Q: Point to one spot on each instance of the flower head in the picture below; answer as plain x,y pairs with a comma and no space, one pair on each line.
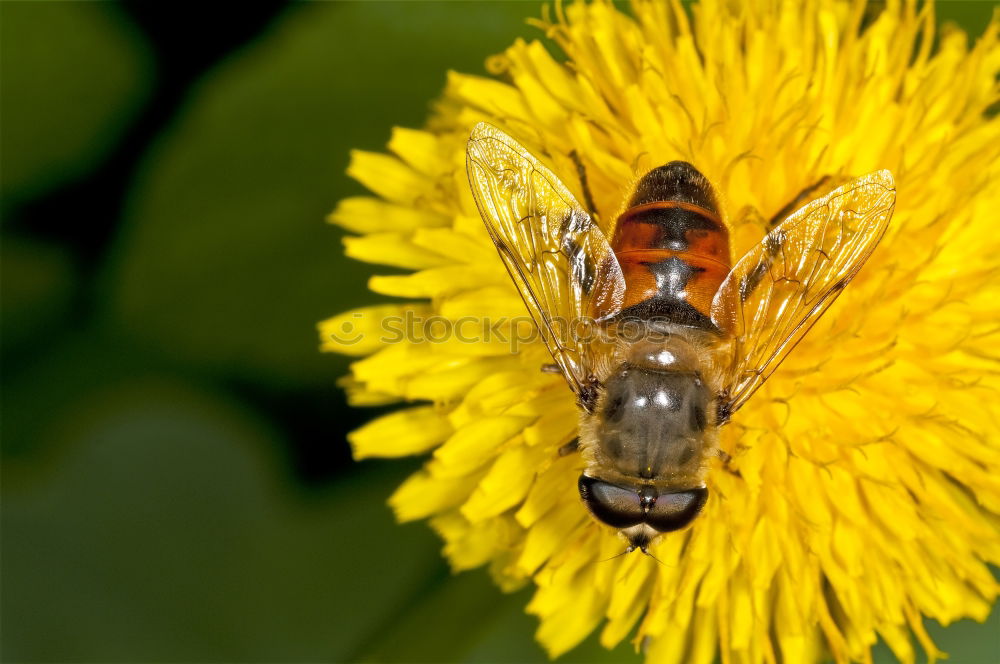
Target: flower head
868,494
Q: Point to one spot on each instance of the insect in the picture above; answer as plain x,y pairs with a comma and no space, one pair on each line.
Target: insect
685,336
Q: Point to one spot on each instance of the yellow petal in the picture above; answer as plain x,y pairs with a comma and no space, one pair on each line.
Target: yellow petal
391,249
401,433
362,331
364,214
386,176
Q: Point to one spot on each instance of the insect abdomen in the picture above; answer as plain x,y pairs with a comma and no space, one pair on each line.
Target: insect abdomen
672,247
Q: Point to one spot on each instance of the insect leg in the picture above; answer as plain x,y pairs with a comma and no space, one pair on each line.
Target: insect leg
773,241
581,172
551,368
727,460
826,182
723,408
588,396
570,447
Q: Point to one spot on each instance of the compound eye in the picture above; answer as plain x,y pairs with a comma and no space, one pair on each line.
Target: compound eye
614,505
673,511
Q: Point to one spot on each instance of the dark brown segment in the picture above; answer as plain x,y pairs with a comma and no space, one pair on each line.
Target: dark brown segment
678,286
675,181
672,225
673,256
672,247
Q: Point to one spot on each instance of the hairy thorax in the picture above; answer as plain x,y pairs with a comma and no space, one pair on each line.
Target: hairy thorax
655,419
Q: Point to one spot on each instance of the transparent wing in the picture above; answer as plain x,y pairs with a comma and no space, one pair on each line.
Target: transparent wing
557,256
781,287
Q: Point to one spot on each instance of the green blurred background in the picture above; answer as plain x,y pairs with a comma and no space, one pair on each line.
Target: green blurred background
175,481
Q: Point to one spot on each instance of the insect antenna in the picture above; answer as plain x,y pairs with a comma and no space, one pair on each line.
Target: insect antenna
655,558
618,555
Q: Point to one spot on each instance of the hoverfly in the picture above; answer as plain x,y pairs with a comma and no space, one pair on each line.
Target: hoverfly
710,333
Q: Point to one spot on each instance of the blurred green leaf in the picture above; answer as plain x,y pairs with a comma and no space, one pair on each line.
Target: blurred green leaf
509,637
969,641
465,618
74,74
73,364
146,518
225,261
446,621
156,528
971,15
965,642
38,284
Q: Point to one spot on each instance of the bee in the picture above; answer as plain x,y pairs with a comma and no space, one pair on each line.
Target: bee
686,337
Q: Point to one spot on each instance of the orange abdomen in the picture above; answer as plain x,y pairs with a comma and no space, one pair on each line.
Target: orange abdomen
673,255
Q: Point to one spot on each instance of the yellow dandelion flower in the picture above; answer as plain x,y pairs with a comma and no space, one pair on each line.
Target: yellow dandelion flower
868,493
